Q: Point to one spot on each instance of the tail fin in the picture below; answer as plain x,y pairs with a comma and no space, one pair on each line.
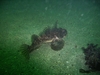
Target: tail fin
25,50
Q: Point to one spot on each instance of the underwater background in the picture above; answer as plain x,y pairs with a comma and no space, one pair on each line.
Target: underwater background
20,19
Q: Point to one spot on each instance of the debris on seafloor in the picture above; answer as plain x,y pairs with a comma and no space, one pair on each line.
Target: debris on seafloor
92,58
52,35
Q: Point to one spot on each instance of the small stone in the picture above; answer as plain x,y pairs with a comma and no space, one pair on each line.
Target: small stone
46,8
67,62
82,14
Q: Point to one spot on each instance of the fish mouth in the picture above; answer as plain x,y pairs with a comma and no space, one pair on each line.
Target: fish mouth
52,39
56,43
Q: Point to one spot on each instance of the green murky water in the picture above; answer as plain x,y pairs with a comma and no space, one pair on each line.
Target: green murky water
19,19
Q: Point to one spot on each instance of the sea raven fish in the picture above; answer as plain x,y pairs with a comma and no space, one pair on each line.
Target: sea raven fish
52,35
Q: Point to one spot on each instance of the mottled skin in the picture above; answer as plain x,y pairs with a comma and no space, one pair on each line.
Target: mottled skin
53,33
49,35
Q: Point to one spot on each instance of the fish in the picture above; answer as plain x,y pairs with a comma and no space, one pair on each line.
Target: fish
51,35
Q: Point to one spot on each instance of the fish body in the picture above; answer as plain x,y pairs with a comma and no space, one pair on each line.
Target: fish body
49,35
